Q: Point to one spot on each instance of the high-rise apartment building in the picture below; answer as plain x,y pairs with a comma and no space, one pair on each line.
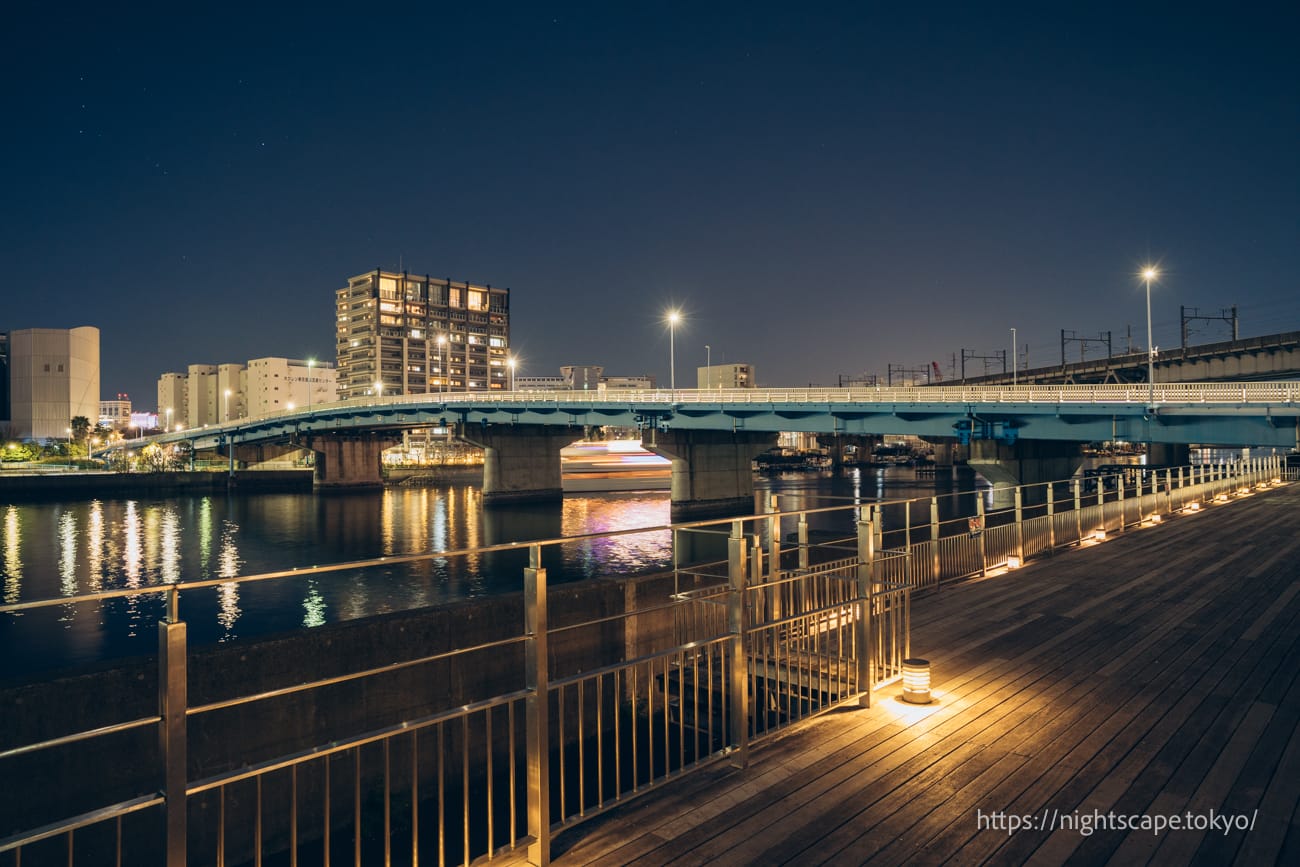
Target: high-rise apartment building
406,334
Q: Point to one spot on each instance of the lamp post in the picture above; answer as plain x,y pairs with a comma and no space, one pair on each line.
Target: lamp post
311,362
169,419
674,316
708,365
1149,273
1013,356
226,412
510,363
442,347
379,388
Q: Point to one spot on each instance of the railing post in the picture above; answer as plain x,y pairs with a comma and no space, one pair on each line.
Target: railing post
1123,513
773,556
1078,509
172,703
1169,491
774,535
537,710
863,639
1020,524
934,538
878,522
803,541
737,566
1051,517
983,546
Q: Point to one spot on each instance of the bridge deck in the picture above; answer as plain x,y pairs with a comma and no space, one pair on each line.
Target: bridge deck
1158,673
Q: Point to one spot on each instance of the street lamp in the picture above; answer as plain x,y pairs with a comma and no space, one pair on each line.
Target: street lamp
708,366
227,405
311,362
442,347
1150,273
379,388
1013,356
674,316
510,363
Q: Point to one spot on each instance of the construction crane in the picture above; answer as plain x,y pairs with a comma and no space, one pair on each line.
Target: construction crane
938,377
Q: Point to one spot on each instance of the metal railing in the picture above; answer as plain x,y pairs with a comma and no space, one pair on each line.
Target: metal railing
458,753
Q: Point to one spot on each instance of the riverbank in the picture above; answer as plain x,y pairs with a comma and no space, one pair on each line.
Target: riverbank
51,486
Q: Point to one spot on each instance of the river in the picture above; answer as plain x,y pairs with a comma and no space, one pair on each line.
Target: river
63,549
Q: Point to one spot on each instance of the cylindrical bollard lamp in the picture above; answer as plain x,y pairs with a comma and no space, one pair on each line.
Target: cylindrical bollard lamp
916,681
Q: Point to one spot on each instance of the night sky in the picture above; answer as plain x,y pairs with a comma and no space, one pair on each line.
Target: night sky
823,192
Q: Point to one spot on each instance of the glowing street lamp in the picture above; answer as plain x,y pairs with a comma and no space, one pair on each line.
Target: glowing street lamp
379,388
673,317
1013,356
227,405
510,363
1150,273
289,406
446,360
311,362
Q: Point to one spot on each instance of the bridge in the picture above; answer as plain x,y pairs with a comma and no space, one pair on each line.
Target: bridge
1271,357
1018,434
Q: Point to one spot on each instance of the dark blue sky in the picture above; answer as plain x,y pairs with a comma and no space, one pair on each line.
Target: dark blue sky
823,191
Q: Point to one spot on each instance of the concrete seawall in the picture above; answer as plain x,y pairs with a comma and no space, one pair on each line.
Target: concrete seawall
50,486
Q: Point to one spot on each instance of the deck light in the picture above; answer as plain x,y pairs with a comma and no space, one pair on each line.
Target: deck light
1194,507
916,681
1013,562
1099,534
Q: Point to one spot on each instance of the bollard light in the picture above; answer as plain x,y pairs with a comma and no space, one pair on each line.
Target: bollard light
1194,507
916,681
1013,562
1154,519
1099,534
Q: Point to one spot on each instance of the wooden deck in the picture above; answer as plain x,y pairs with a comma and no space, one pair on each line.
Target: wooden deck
1153,674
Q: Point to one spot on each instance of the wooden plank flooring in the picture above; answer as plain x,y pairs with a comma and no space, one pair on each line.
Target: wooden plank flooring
1153,674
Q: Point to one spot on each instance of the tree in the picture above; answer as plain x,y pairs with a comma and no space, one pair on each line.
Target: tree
80,428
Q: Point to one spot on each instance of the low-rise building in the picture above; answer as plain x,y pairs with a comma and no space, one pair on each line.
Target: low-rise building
725,376
215,393
53,378
116,414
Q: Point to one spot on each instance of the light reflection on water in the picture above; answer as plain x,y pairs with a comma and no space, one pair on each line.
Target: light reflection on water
64,549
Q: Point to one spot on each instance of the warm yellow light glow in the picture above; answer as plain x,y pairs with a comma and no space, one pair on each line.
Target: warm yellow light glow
674,316
227,392
289,406
1013,562
1150,273
1194,507
1099,534
916,681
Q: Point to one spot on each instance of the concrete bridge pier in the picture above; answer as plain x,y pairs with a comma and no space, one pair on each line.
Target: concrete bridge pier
712,470
1169,454
521,462
350,461
1027,462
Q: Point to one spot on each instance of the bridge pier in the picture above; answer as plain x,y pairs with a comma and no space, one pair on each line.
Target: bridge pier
1026,462
1169,454
712,470
350,461
521,462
